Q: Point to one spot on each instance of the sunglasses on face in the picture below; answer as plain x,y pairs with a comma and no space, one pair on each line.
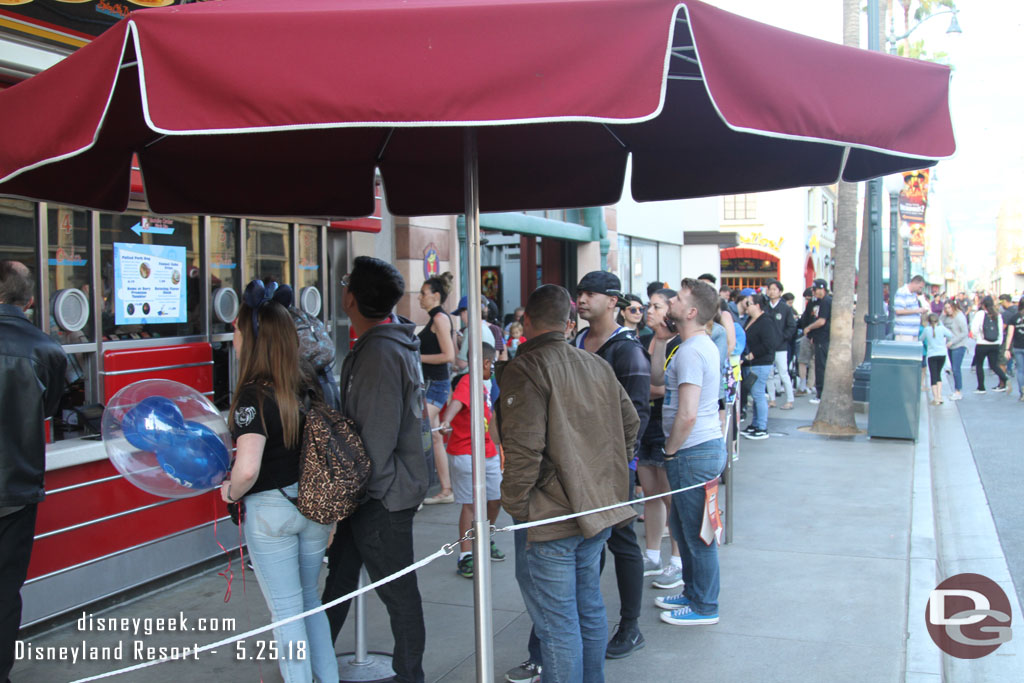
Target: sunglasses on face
635,309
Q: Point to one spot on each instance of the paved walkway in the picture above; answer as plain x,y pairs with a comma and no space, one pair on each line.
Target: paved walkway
815,585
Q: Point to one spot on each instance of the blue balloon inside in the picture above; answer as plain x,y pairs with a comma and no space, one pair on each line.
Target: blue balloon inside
196,459
166,438
155,422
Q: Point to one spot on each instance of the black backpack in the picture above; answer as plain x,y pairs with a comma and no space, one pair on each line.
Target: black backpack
990,328
334,467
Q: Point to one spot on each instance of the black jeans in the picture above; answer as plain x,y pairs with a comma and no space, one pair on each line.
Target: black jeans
16,532
820,356
990,351
382,541
629,564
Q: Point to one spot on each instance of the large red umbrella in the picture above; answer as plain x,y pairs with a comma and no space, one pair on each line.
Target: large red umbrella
287,107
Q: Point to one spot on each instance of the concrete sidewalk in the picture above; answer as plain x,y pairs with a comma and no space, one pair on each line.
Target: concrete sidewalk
814,585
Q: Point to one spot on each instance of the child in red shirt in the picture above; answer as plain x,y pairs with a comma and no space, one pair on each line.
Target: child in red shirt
456,420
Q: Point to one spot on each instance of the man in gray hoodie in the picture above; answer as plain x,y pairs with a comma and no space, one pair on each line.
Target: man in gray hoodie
381,390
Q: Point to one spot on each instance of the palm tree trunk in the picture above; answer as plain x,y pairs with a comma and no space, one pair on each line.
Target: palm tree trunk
860,328
835,412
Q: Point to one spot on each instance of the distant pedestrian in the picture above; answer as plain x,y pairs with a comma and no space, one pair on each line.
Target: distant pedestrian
909,309
956,322
987,328
1008,312
936,338
1015,345
32,368
632,316
763,338
805,347
819,331
781,315
437,353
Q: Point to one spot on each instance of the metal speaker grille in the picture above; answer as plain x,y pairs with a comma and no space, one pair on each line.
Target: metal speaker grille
71,309
225,304
310,300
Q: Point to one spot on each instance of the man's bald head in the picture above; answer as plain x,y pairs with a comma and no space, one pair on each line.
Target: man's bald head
16,285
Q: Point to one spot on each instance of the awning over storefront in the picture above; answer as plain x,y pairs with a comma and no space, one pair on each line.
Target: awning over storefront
746,252
705,101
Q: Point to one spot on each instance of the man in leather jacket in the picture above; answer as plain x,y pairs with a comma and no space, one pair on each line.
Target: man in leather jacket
32,370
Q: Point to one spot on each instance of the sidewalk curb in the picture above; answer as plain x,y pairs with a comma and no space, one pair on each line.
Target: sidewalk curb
967,541
923,658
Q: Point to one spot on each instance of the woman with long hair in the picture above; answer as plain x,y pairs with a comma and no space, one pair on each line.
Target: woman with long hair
286,548
632,316
956,322
650,468
437,353
936,338
988,346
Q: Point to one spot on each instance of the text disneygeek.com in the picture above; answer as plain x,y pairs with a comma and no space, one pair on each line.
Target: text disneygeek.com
132,650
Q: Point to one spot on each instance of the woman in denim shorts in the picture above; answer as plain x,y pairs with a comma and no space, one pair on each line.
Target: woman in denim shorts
437,352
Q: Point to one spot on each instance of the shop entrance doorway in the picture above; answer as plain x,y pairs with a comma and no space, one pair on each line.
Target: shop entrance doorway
744,267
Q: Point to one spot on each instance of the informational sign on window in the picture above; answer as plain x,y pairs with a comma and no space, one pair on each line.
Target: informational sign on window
148,283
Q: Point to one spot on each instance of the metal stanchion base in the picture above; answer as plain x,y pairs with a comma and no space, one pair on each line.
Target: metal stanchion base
376,667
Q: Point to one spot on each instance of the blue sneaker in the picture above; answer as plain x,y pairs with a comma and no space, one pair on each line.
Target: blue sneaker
672,601
685,616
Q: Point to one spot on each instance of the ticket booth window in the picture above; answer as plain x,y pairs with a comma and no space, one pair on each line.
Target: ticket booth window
156,277
18,227
268,251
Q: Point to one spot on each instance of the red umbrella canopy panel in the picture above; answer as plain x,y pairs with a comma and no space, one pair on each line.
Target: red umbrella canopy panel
287,107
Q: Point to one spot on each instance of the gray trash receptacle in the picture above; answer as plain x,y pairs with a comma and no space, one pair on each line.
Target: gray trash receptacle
895,403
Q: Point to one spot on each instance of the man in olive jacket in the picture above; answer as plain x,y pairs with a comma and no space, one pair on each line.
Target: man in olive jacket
562,456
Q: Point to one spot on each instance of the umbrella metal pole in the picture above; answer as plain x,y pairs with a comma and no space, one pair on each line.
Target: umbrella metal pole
731,427
481,524
363,665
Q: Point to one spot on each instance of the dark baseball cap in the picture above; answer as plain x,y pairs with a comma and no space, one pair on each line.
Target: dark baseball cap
602,282
820,284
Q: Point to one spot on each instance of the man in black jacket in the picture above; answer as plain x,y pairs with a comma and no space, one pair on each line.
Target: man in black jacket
785,322
31,384
598,298
763,338
817,322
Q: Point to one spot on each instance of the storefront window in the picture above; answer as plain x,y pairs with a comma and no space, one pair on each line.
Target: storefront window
644,267
268,251
309,259
670,264
18,226
69,267
224,267
155,277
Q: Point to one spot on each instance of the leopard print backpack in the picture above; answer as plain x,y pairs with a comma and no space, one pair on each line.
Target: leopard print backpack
334,467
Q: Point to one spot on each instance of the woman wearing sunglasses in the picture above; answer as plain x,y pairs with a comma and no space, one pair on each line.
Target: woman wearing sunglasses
632,316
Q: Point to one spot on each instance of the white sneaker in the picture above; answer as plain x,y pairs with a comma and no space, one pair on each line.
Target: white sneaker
651,567
670,578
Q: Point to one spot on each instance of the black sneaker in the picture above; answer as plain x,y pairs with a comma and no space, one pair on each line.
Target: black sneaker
496,553
756,434
750,429
624,642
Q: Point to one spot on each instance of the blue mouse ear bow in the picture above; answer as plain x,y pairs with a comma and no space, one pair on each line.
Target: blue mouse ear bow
257,294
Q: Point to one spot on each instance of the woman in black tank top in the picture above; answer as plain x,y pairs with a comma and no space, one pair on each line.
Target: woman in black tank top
437,352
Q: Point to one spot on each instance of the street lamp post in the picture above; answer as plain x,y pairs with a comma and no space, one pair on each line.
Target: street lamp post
875,319
893,184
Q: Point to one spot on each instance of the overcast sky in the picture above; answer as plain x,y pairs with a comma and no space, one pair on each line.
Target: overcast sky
986,100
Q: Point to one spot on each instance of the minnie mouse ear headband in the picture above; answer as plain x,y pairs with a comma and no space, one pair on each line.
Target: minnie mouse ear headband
257,295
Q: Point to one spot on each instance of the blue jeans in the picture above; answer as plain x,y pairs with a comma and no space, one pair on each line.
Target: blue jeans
1018,360
561,587
690,466
761,374
287,552
956,362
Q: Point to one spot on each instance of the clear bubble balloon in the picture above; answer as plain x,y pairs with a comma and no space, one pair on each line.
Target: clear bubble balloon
166,438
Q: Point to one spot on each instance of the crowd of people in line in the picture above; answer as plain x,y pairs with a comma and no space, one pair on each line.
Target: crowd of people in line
576,417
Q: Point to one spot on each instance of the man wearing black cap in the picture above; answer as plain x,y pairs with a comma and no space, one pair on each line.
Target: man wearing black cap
819,315
598,297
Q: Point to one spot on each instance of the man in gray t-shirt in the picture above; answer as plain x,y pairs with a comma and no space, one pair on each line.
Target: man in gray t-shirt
694,451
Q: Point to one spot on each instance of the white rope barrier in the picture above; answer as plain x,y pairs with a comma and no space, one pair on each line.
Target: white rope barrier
446,549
